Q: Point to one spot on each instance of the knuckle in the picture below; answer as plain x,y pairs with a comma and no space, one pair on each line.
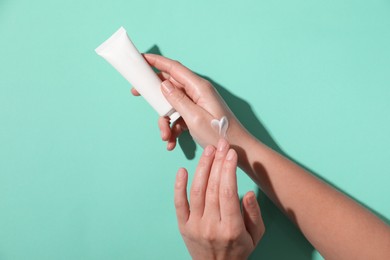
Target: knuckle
228,165
259,236
207,84
212,187
228,193
212,200
179,96
196,191
207,87
203,163
184,231
232,235
219,157
209,234
192,231
178,186
176,64
255,214
179,203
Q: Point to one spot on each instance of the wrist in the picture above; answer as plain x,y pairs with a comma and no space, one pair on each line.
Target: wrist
241,140
249,149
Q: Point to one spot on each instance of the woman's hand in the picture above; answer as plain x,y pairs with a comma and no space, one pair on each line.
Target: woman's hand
197,102
212,224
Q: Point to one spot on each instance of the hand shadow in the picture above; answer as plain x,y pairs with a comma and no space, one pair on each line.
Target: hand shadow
282,239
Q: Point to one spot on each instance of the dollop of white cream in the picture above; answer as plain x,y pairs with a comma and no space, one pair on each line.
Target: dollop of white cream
221,126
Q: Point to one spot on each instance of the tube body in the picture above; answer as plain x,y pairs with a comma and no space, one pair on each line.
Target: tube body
121,53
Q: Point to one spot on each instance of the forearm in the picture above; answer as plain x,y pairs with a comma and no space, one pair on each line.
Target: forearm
336,225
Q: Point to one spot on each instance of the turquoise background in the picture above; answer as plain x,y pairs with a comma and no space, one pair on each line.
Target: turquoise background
83,173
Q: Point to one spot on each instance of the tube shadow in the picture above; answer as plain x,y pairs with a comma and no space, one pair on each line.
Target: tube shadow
283,239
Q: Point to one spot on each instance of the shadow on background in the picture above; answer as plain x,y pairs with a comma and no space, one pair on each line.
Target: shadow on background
282,239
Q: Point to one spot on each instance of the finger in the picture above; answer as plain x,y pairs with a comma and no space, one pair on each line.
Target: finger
166,76
165,130
163,76
180,198
180,73
199,184
228,197
252,217
177,128
134,92
212,208
179,100
174,68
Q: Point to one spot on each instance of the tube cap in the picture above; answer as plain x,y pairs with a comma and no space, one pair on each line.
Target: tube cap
174,116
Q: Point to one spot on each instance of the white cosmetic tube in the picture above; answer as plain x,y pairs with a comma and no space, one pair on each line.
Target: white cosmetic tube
121,53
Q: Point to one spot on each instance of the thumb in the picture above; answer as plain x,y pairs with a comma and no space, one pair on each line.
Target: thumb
179,100
252,217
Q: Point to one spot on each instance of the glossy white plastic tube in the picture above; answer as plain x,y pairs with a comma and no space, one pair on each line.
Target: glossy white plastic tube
121,53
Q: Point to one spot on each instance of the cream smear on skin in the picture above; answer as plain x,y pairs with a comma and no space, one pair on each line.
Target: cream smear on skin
221,126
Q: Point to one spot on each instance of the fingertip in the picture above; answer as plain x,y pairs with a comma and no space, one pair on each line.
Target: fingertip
147,55
182,173
231,155
230,165
250,193
180,196
252,217
209,150
171,145
250,199
181,179
165,130
134,92
175,131
222,145
165,134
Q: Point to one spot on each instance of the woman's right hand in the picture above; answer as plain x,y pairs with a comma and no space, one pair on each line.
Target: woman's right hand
197,102
212,223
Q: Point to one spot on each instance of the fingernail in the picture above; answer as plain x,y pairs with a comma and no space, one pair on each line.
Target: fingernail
181,174
222,145
167,87
230,155
209,150
251,200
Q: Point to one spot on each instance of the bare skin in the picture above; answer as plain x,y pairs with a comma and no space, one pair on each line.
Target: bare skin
337,226
212,225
